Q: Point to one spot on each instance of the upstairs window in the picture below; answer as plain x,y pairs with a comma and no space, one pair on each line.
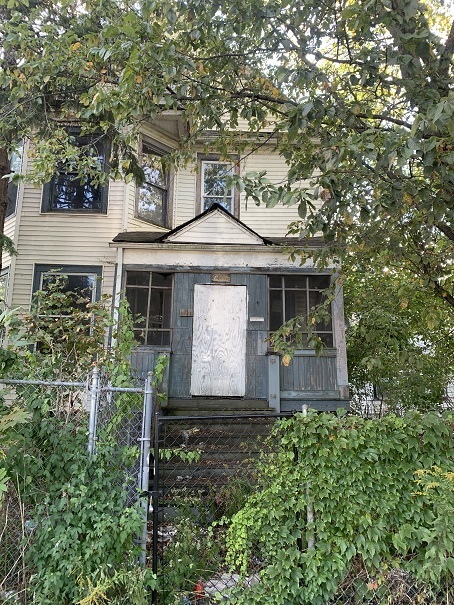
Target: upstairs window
295,295
149,296
152,199
15,166
214,187
68,191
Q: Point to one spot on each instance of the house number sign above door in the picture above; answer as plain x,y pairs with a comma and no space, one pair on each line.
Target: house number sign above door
217,278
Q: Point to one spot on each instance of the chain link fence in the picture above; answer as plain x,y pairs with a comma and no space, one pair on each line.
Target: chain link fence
203,469
369,402
206,468
90,407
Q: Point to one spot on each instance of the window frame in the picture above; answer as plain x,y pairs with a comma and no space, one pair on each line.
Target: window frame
144,327
216,158
282,289
48,188
86,270
161,151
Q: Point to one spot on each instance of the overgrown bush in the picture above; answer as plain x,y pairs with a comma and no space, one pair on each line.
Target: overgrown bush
438,489
358,476
81,532
192,554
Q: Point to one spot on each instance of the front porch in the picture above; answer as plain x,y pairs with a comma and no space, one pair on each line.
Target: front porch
308,379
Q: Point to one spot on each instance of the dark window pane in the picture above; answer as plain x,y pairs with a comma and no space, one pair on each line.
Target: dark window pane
150,300
166,308
295,281
156,337
137,278
276,310
138,302
70,283
326,326
295,303
162,279
79,288
70,193
155,315
327,339
152,193
139,335
315,299
275,281
319,282
151,204
153,168
12,199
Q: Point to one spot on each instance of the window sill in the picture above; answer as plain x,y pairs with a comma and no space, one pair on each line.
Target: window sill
154,348
331,352
75,212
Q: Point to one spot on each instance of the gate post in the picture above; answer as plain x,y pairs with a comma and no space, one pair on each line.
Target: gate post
93,420
145,462
155,501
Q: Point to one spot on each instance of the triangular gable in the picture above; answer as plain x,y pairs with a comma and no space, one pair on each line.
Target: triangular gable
214,226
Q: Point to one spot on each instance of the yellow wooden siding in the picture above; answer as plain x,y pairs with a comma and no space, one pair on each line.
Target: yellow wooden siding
266,221
185,196
66,239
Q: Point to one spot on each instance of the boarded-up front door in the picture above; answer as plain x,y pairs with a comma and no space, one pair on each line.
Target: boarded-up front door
219,341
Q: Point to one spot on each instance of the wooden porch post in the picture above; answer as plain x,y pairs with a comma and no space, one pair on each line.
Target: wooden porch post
274,395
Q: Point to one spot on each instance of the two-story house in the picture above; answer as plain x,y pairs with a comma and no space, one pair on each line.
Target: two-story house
205,271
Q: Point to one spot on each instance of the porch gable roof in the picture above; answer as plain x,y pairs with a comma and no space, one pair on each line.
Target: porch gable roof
214,226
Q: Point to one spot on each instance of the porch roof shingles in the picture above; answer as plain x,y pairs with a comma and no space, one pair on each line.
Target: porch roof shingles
149,237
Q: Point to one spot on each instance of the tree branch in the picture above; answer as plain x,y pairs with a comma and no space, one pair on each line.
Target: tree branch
446,229
377,116
447,53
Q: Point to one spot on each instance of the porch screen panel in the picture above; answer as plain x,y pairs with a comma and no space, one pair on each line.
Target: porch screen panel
219,341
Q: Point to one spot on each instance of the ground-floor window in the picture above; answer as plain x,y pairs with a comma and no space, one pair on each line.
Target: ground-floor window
80,283
295,295
149,295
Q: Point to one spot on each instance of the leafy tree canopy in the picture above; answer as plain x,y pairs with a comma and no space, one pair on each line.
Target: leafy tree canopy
359,93
400,339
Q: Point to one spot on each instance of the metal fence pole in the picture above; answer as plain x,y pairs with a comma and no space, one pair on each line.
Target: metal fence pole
94,398
155,500
310,507
145,462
